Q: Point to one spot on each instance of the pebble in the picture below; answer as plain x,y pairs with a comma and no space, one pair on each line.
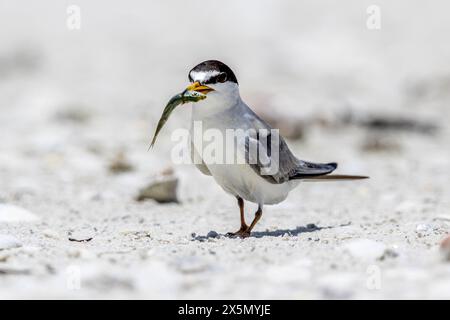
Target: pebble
212,234
9,242
424,229
120,164
389,253
162,190
52,234
365,249
137,234
445,248
11,213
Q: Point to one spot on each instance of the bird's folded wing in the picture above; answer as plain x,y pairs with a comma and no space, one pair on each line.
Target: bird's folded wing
198,161
272,160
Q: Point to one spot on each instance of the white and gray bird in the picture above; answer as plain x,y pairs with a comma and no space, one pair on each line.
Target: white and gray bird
223,110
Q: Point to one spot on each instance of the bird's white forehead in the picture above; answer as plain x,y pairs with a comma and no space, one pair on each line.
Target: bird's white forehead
203,75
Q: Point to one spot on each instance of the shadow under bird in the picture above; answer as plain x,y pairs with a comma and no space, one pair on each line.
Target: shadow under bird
217,105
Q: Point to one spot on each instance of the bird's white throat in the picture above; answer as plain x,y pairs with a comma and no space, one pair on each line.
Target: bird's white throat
225,96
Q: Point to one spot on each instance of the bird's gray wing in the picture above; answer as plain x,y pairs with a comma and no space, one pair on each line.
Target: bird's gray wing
198,161
269,156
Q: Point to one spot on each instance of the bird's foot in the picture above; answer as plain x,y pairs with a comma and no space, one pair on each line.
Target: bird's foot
243,232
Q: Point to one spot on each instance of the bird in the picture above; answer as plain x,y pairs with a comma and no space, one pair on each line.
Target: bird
248,180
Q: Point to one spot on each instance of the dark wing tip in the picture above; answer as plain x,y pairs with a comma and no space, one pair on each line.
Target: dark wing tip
334,165
311,169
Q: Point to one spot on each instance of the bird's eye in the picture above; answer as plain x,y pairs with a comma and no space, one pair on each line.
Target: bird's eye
222,77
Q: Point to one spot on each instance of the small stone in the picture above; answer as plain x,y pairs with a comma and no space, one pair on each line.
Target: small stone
423,229
167,172
9,242
52,234
445,248
389,253
137,234
163,190
4,256
120,164
212,234
11,213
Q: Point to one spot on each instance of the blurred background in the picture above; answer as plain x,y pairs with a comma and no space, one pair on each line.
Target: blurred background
78,106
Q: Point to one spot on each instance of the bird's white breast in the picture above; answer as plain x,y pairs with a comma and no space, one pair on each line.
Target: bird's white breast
236,179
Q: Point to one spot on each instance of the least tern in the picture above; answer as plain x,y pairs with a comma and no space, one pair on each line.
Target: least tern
224,110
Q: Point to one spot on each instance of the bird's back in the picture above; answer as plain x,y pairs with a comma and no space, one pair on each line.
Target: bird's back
289,166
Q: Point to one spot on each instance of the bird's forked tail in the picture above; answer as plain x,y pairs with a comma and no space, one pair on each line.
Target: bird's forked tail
335,177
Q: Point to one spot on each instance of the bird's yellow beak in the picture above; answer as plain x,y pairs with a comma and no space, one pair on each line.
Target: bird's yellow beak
196,86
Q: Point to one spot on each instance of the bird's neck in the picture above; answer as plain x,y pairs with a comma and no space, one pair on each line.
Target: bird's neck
214,105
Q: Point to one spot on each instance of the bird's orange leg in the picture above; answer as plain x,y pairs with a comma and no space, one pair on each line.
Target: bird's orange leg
242,232
245,230
258,215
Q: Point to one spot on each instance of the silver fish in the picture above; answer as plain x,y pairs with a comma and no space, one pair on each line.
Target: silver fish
180,98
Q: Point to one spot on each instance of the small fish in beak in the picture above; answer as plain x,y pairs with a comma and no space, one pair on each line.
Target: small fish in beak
197,87
193,93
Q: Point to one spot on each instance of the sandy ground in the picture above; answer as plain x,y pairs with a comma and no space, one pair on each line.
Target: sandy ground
71,101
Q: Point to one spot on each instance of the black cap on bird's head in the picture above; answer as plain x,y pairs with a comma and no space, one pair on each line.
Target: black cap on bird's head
215,77
212,72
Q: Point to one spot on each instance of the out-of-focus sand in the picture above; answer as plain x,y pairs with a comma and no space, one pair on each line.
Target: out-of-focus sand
71,100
